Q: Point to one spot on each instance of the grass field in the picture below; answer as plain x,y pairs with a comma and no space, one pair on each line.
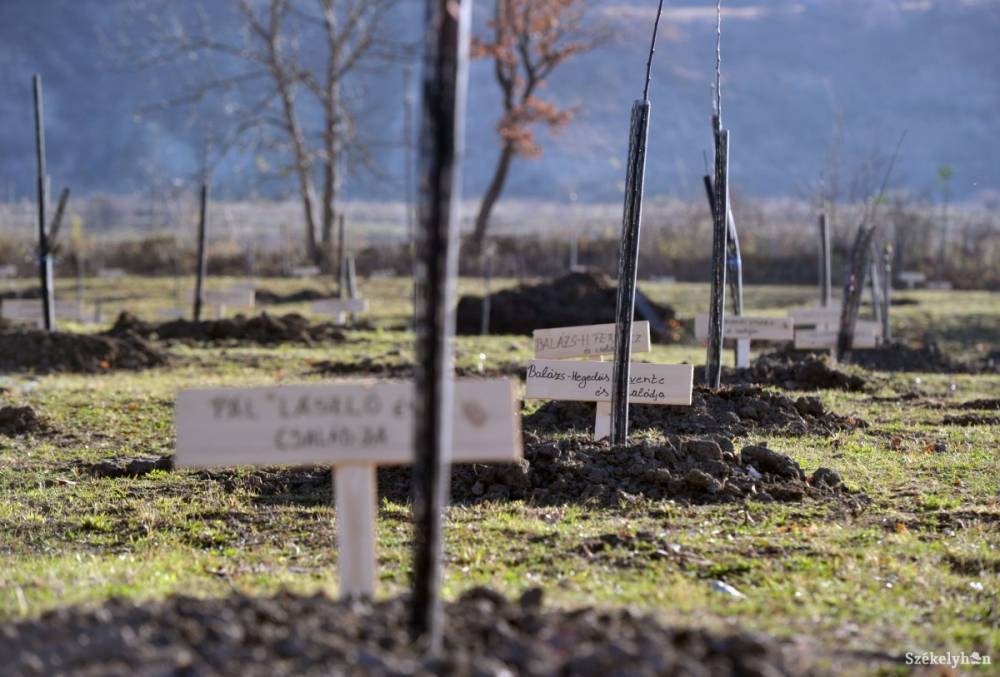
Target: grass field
917,569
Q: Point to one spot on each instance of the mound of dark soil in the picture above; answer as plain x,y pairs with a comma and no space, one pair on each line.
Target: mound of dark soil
484,634
987,403
574,469
23,349
128,467
730,410
791,370
901,357
571,300
268,297
18,421
30,293
263,329
971,419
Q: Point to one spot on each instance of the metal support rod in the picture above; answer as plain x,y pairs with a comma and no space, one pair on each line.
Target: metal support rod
202,269
825,276
484,325
44,254
445,76
341,257
628,269
717,302
734,257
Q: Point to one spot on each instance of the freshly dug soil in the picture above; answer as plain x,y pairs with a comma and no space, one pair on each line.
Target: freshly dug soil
792,370
970,419
24,349
571,300
268,297
30,293
263,329
484,634
574,469
901,357
988,404
18,421
730,410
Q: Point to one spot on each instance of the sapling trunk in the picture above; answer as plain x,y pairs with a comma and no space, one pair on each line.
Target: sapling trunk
717,301
44,253
886,293
825,286
853,288
628,252
202,269
445,74
341,258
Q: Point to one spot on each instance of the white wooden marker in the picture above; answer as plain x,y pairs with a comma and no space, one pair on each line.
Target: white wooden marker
306,271
111,273
353,426
30,310
240,295
912,278
339,307
744,329
8,271
591,382
595,341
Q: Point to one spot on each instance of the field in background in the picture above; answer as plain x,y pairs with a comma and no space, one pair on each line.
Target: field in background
917,569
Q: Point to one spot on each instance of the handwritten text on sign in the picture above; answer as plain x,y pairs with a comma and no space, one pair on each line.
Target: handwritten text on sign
823,339
755,328
337,423
591,382
594,339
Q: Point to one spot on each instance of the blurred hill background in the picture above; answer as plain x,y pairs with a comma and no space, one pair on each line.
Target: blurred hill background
795,71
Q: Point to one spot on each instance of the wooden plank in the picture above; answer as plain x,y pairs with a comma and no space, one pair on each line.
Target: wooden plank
816,314
32,310
602,422
339,306
239,296
591,382
337,423
748,327
584,341
356,495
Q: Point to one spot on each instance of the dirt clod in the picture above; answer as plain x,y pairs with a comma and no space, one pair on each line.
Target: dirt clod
792,370
129,467
18,421
970,419
575,299
268,297
485,634
24,349
263,329
901,357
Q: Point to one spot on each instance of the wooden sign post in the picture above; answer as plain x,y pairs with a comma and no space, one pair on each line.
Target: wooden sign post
202,270
32,311
354,427
240,295
594,341
817,328
825,279
745,329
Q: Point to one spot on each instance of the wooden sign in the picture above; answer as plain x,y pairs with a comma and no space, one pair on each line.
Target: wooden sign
752,328
815,315
30,310
353,426
111,273
595,339
336,423
8,271
339,306
306,271
912,278
591,382
826,339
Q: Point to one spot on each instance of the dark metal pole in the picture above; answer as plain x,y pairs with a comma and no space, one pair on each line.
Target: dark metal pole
628,251
484,326
825,279
445,75
717,304
202,270
734,257
44,255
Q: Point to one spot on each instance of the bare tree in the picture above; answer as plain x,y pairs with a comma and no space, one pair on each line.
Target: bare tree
277,82
530,38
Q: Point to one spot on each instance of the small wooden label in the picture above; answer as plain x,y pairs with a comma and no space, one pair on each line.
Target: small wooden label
237,296
594,339
826,339
30,310
753,328
815,316
338,306
591,382
111,273
337,423
8,270
306,271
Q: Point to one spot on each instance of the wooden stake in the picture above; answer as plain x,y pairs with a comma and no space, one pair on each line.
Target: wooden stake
356,496
446,54
853,288
44,254
202,269
825,290
886,293
341,258
484,325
